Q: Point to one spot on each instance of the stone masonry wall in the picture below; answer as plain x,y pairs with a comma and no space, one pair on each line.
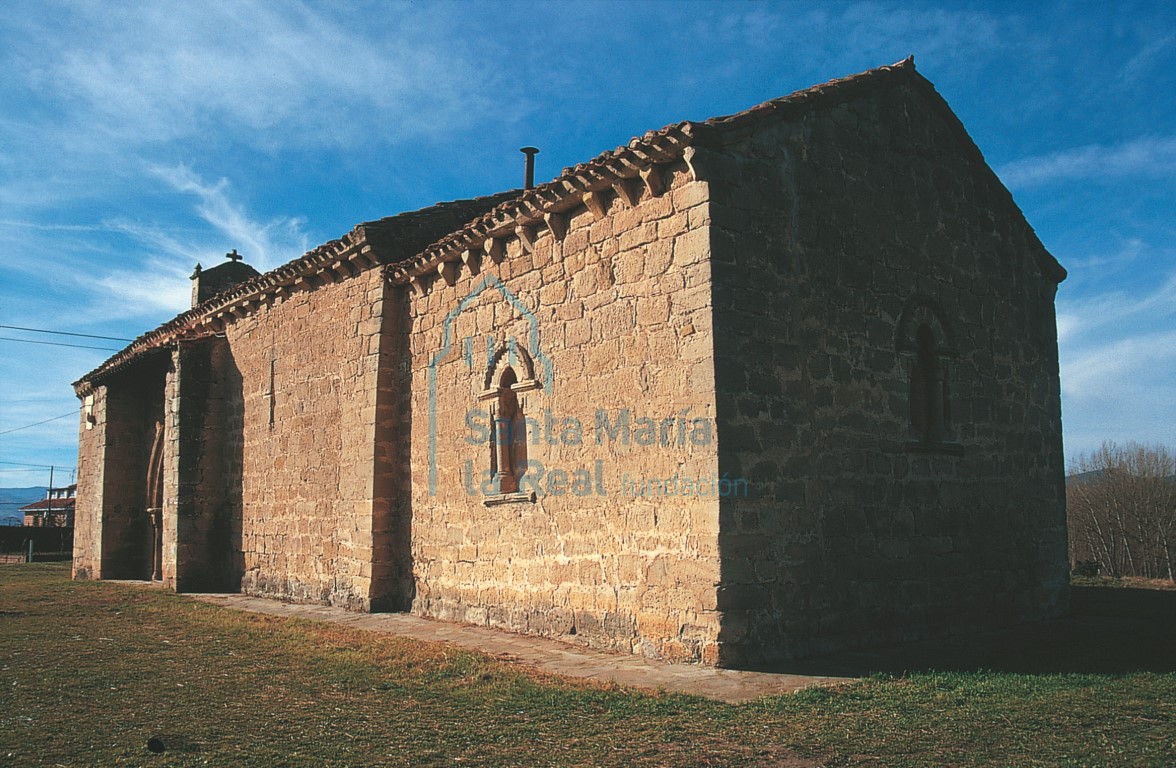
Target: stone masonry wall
203,460
392,578
827,227
307,368
134,406
269,476
613,318
87,548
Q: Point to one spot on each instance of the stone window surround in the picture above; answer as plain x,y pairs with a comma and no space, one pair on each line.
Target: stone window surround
923,311
491,393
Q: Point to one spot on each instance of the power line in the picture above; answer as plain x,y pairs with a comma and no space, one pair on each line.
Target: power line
23,464
64,333
39,423
57,344
57,399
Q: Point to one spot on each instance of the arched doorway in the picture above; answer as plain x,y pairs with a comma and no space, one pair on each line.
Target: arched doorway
154,497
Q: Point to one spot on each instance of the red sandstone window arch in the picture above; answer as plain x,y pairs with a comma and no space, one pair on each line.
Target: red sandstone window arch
508,450
502,387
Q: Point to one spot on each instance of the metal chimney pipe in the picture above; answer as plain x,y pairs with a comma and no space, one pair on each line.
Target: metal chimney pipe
530,152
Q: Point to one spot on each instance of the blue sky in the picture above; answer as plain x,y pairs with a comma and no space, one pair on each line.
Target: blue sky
135,144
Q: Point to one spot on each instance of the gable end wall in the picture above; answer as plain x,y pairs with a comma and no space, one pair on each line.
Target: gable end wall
825,227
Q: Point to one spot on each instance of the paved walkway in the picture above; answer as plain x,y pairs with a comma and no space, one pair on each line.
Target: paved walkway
547,655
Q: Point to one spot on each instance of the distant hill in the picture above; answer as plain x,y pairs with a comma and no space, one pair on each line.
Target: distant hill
1097,474
12,499
1085,477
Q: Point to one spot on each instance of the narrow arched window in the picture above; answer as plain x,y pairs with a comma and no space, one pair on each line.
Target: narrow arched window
927,345
504,391
928,401
154,498
508,457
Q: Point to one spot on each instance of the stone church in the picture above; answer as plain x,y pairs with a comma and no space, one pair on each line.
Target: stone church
742,390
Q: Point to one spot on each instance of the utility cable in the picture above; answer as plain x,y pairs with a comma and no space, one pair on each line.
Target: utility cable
63,333
39,423
57,344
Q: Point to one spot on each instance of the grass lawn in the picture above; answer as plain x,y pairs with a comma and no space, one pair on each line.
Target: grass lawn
89,671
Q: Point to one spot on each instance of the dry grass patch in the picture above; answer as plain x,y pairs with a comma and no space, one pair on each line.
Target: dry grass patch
90,671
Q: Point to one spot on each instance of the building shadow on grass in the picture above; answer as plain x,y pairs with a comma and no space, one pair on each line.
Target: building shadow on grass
1108,631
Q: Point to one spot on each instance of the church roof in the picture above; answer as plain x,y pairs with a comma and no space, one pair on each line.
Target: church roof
407,245
537,207
369,244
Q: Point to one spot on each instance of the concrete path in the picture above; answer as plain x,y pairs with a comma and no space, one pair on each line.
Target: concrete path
548,655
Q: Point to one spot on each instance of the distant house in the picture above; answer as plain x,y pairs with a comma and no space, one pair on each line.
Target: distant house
56,510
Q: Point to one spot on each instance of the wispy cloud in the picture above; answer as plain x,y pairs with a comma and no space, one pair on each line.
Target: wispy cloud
51,227
89,93
1149,56
1114,309
1149,156
1130,252
1119,389
286,71
1118,349
159,287
1103,370
141,267
857,34
264,244
158,280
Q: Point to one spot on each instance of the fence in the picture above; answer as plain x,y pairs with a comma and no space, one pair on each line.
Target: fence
47,544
